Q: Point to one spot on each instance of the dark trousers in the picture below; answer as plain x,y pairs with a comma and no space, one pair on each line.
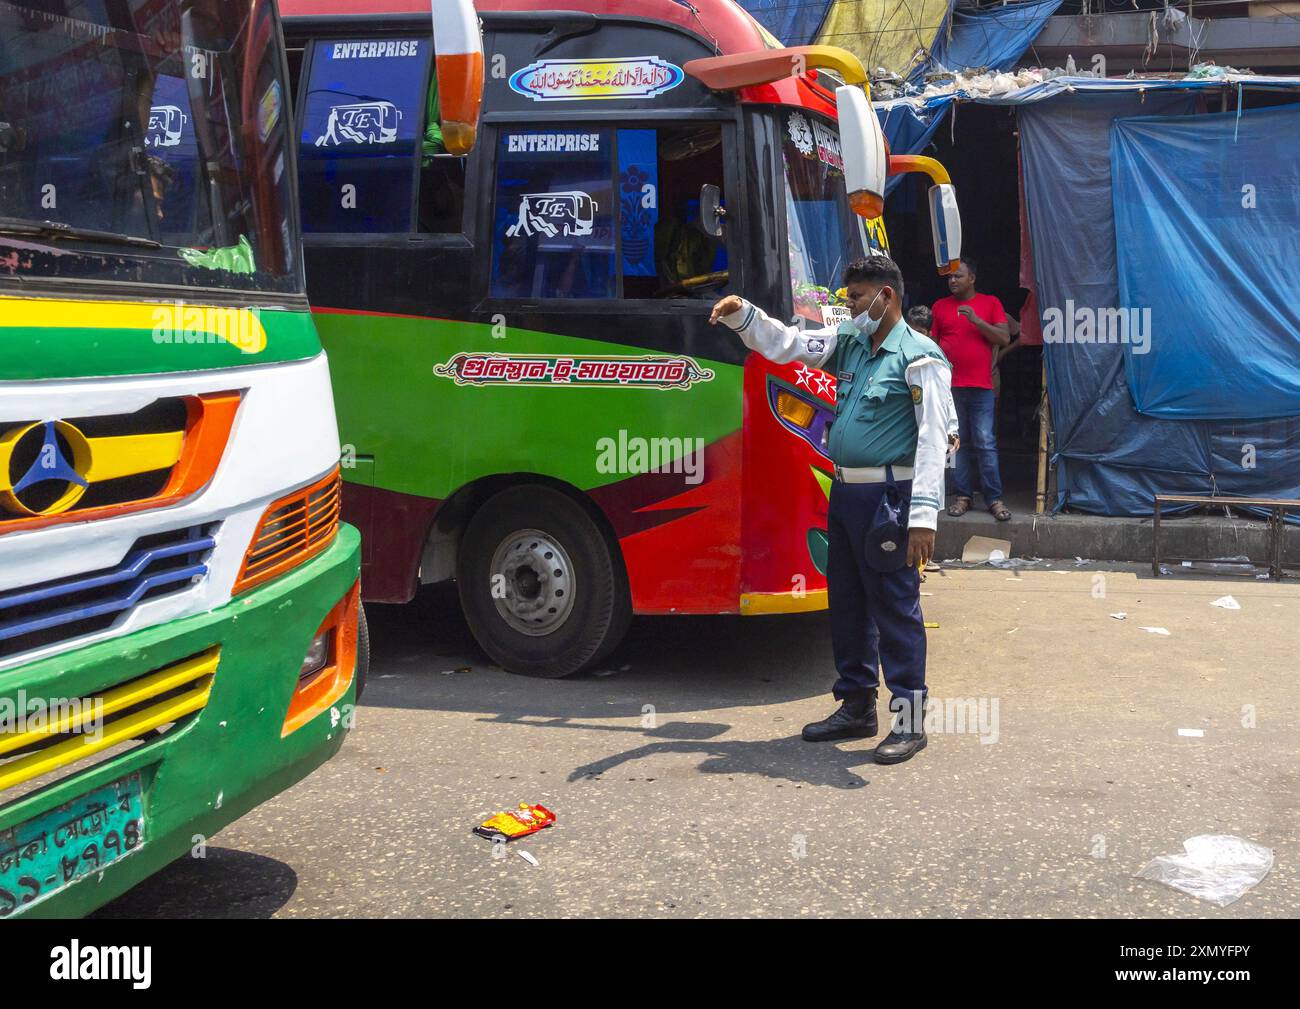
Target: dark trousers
876,620
979,445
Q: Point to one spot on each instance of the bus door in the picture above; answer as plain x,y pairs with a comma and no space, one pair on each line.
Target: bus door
593,232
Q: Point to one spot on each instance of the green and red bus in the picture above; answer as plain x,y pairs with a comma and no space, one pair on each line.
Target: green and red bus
531,400
181,635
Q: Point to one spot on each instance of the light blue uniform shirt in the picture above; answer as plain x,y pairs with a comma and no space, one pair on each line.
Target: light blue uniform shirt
875,412
892,407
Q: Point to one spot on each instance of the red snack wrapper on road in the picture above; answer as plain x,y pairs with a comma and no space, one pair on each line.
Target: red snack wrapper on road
515,823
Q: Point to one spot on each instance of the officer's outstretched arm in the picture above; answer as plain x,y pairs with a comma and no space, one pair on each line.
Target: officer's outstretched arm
776,341
930,381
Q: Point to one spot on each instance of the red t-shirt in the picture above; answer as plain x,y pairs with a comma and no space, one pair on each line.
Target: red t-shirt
971,355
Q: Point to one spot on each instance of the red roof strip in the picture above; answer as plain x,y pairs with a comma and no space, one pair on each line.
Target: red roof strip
724,20
732,27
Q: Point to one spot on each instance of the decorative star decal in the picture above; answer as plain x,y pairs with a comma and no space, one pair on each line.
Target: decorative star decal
805,376
825,385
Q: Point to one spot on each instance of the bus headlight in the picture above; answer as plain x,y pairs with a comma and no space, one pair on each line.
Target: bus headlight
334,650
318,653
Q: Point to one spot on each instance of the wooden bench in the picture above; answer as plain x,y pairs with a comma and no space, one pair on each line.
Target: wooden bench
1277,507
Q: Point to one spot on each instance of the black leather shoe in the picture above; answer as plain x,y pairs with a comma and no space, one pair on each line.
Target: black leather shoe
899,746
856,719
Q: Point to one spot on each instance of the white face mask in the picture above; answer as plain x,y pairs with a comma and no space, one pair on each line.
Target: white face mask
865,323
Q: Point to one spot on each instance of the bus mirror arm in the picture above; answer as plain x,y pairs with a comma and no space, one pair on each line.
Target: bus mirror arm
901,164
945,218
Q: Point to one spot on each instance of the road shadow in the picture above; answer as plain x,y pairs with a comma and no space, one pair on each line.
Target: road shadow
786,759
226,883
789,759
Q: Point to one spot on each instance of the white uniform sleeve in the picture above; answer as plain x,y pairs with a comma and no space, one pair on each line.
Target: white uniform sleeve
778,342
934,379
952,414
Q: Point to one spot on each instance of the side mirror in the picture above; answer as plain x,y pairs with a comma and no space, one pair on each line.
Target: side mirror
459,40
945,226
866,160
712,212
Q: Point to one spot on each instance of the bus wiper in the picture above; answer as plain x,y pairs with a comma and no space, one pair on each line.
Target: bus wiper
54,229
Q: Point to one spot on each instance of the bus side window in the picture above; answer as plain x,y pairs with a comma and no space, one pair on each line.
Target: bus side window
666,252
442,175
553,221
363,109
442,194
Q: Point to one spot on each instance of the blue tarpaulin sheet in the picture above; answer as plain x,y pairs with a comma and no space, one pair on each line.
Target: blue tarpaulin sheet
1112,459
794,22
1207,213
908,131
994,38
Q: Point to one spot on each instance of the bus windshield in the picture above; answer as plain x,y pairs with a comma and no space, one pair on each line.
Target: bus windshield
824,234
157,131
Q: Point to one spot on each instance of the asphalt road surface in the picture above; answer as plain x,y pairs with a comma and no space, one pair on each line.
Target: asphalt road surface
682,788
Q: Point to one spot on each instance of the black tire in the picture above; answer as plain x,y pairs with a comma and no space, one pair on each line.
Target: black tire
622,616
363,650
560,639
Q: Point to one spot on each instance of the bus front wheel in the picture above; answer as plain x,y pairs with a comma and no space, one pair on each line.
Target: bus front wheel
540,587
363,650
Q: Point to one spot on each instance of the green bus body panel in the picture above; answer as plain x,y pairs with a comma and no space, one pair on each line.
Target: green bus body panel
430,436
69,352
230,757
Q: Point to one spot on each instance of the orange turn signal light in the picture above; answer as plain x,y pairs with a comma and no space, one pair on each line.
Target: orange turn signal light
867,205
797,411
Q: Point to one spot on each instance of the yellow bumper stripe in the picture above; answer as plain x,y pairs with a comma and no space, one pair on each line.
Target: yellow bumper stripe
80,747
120,699
753,604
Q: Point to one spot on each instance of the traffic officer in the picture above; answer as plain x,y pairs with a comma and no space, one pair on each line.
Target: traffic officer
888,444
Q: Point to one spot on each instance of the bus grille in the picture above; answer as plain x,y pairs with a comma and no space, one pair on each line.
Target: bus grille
294,529
82,469
81,733
53,612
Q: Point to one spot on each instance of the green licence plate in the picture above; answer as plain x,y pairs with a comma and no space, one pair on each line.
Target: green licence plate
52,851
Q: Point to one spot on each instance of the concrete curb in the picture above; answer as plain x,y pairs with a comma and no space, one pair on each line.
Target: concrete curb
1099,538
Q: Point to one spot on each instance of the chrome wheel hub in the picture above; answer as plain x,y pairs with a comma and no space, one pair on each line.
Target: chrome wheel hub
532,582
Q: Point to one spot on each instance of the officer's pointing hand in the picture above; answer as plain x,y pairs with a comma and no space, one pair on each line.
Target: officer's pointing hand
920,547
731,303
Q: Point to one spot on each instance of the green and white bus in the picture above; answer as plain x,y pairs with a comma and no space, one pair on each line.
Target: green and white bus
181,634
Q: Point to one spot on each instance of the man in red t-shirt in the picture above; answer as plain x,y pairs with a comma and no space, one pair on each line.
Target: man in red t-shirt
968,326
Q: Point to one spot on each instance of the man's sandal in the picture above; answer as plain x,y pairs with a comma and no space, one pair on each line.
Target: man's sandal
1000,511
960,506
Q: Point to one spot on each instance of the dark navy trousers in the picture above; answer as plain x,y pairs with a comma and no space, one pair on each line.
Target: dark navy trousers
876,621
